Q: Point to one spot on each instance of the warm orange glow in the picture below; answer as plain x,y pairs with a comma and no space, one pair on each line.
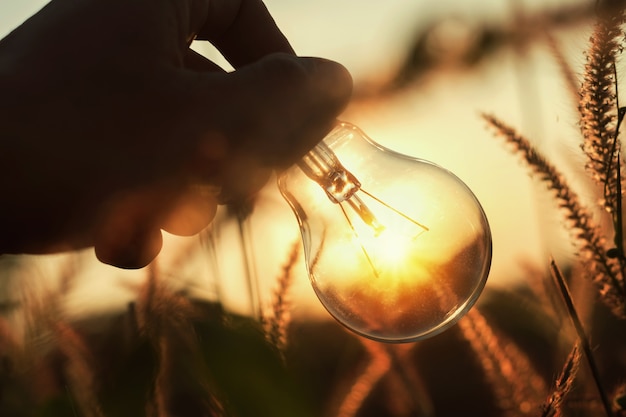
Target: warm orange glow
387,253
415,292
390,247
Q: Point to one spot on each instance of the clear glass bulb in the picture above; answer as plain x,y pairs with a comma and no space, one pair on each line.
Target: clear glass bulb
397,248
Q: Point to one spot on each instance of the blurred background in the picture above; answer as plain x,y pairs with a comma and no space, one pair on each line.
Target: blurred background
424,73
435,116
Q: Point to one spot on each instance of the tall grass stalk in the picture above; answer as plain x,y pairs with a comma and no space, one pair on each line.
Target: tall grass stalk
601,117
604,270
376,366
583,339
515,383
276,322
249,261
410,380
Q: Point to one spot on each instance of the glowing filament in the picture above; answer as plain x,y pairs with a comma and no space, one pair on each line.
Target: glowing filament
384,243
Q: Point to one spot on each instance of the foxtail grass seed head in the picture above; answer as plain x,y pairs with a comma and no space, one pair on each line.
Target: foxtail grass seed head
563,384
605,272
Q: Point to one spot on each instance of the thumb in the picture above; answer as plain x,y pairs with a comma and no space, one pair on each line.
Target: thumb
128,236
281,106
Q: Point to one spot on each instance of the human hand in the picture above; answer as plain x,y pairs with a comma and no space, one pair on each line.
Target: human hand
113,129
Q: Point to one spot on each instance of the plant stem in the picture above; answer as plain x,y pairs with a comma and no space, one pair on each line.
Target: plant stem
252,283
617,212
582,336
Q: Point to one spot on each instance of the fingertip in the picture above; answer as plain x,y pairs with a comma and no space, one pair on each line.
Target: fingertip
127,236
193,211
331,78
325,79
133,249
305,96
317,100
276,109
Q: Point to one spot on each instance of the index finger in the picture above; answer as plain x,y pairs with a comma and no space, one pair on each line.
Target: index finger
244,31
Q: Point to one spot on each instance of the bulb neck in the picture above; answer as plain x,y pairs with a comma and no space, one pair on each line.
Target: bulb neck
322,166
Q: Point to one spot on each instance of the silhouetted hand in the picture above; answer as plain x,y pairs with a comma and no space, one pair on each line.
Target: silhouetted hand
112,129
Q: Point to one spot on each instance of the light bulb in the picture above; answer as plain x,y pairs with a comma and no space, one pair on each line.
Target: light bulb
397,248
